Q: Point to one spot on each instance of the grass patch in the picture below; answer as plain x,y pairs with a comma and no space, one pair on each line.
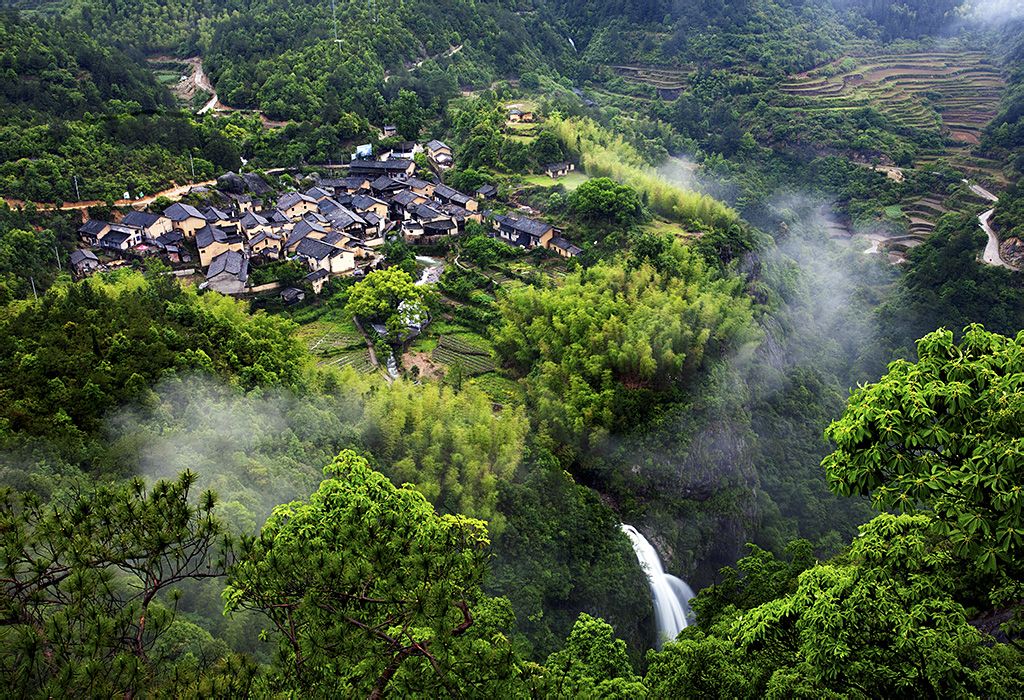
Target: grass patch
500,389
570,182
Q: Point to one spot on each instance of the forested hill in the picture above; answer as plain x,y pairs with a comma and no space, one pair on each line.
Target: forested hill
280,56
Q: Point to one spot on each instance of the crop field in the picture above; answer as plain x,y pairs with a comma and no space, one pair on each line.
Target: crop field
473,358
954,92
660,78
337,344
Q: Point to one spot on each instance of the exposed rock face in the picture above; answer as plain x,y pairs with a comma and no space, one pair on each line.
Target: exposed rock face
1012,252
231,182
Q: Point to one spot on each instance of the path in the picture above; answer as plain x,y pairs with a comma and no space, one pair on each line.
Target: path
991,255
203,83
446,54
173,193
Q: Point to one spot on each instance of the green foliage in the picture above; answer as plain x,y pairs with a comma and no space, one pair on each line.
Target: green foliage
451,446
388,296
943,435
611,330
593,663
87,581
366,588
85,348
603,200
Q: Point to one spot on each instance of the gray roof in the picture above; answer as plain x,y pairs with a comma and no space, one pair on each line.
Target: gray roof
80,256
405,198
317,275
435,145
252,220
317,193
214,214
291,199
230,262
302,229
318,250
342,217
114,239
140,219
559,242
208,235
380,166
180,212
363,201
525,225
451,194
93,227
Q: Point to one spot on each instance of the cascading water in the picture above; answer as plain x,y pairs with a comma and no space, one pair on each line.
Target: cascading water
670,594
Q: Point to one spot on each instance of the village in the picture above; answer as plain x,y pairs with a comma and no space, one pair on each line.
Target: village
334,227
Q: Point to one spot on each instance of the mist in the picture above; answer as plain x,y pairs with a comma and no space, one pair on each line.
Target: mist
255,450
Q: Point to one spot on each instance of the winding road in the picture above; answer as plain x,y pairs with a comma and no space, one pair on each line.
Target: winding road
991,254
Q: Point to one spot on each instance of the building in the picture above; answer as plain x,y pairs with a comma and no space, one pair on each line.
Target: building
292,295
524,232
440,153
317,279
376,168
389,131
364,203
121,238
447,195
214,240
266,244
151,226
92,231
84,262
562,247
516,115
185,218
323,256
295,205
486,192
557,170
228,273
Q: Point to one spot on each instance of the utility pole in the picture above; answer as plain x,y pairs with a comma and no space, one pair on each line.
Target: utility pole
334,15
77,193
57,255
33,281
192,164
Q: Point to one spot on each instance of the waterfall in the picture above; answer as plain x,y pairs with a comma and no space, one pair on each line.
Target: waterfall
671,595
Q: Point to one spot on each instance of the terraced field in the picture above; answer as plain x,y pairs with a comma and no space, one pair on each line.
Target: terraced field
474,360
954,92
669,82
339,346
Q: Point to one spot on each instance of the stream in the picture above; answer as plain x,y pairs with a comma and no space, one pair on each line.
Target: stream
433,268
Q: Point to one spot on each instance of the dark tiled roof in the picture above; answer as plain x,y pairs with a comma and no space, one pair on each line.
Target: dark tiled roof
253,220
80,256
318,250
231,262
93,227
559,242
140,219
180,212
435,145
451,194
208,235
377,167
525,225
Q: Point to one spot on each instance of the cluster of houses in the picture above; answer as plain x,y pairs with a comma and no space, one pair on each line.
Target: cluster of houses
334,227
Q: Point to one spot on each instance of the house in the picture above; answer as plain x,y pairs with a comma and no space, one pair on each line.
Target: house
376,168
302,230
295,205
317,279
385,185
318,193
562,247
447,195
121,238
214,240
252,223
185,218
292,295
266,244
517,115
84,262
486,192
404,151
439,152
557,170
352,184
92,231
363,203
323,256
389,131
228,273
343,219
524,232
217,216
151,226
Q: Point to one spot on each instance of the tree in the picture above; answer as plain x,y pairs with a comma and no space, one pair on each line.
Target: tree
85,581
362,583
944,436
407,114
604,200
390,296
593,663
